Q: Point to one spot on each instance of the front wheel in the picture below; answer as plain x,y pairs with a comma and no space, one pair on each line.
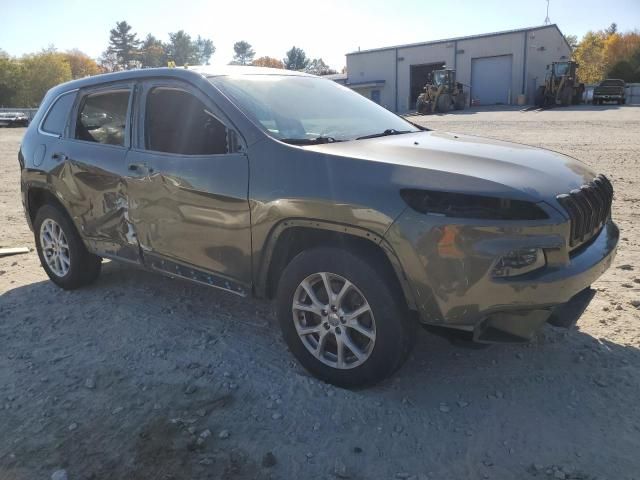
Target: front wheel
62,253
343,320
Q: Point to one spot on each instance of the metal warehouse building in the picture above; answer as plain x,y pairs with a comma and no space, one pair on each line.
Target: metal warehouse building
494,67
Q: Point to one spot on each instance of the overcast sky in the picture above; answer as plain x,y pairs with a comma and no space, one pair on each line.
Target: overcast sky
324,28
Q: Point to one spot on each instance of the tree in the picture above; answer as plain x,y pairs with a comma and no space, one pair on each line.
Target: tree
181,49
572,40
318,67
124,45
10,73
153,52
613,28
590,56
204,49
296,59
267,62
81,64
243,53
40,72
108,62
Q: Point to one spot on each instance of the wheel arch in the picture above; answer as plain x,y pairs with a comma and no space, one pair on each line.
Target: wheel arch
39,195
292,236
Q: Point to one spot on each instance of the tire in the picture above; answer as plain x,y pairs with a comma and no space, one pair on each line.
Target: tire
443,104
565,96
460,101
540,97
420,105
390,330
82,267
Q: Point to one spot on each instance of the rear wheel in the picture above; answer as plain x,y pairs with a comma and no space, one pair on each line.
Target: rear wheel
341,318
62,253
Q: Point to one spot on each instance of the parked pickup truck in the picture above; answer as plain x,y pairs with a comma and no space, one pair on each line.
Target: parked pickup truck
609,90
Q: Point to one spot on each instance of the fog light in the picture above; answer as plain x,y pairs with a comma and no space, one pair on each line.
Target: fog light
520,262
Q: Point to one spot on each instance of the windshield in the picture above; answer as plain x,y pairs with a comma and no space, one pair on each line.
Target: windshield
292,108
561,69
439,77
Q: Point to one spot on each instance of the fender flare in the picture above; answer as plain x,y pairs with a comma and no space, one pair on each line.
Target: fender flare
264,264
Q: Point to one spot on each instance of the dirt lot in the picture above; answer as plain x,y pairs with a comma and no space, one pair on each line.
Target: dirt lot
140,376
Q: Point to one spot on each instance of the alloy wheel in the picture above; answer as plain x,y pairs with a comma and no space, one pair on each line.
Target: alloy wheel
55,247
334,320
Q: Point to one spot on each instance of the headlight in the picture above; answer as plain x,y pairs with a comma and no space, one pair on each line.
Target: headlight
519,262
464,205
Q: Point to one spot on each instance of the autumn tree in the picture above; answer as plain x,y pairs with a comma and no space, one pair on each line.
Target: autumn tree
243,53
81,64
267,62
9,80
124,45
153,52
40,72
296,59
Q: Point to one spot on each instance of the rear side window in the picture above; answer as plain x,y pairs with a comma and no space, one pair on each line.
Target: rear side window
178,122
58,114
102,117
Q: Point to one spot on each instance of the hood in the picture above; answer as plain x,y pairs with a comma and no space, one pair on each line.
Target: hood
464,163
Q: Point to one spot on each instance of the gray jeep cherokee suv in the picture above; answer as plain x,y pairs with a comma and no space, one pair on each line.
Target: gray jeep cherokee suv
283,185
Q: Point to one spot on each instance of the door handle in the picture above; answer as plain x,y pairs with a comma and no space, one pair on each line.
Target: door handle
141,168
61,157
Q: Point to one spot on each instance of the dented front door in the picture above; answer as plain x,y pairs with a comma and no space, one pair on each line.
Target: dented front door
190,211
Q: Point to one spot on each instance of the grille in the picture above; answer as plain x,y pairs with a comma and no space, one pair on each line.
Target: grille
588,207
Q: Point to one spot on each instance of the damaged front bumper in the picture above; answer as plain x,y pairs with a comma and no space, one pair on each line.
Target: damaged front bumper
451,271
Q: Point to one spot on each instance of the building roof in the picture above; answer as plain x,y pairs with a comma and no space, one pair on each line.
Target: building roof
454,39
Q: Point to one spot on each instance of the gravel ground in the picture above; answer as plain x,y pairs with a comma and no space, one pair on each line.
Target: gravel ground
139,376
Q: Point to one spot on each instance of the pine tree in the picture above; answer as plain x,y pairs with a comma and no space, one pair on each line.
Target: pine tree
124,45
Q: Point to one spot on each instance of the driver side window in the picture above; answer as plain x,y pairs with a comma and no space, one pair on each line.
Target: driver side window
178,122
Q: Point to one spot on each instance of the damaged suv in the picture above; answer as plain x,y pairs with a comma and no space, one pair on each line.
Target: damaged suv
359,224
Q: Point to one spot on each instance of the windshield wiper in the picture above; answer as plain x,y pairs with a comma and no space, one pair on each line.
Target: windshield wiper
310,141
387,132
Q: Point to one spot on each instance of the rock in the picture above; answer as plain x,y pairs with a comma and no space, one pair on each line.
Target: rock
189,389
90,383
191,430
72,427
635,303
626,267
116,410
340,469
403,475
224,434
59,475
559,474
268,460
201,412
463,404
276,416
444,408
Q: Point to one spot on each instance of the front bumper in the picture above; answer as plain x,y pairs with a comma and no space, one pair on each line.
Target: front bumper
449,269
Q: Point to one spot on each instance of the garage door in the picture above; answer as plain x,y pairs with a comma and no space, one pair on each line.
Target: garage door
491,79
